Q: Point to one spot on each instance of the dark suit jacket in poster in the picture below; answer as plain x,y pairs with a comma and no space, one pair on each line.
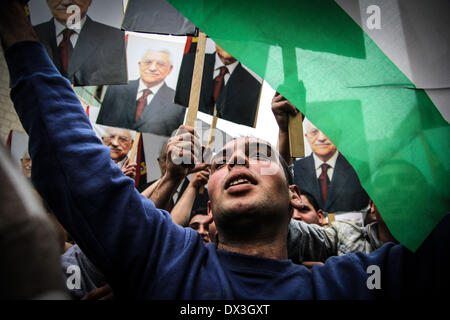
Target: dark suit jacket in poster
238,101
98,57
345,192
160,117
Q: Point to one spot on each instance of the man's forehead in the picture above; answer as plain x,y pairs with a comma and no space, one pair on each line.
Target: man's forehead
247,146
199,218
305,200
243,142
161,55
118,132
309,125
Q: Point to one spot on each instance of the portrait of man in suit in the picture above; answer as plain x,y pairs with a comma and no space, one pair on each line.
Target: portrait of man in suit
328,176
225,84
119,141
88,53
145,104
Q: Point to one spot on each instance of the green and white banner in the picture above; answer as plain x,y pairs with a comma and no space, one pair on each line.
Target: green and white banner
358,88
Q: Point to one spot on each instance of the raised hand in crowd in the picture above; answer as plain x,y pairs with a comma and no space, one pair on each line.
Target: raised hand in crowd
281,109
184,155
129,169
199,179
183,208
12,12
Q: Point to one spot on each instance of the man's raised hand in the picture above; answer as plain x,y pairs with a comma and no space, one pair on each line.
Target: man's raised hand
184,153
281,109
14,23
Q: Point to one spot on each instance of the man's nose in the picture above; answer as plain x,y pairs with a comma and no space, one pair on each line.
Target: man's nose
322,136
238,158
202,230
115,141
153,65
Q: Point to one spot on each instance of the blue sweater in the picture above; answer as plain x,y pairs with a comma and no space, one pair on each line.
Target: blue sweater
142,253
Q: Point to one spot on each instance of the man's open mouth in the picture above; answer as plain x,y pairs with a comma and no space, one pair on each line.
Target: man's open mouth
238,180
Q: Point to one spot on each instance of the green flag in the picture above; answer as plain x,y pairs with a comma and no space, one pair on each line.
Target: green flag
390,131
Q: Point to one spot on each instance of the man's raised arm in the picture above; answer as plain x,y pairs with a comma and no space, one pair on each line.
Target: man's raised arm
117,228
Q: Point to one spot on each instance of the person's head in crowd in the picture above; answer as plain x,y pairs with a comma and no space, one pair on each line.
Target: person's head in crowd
25,163
200,221
320,145
398,174
306,207
59,8
224,56
119,142
162,158
370,213
154,67
29,246
384,234
249,193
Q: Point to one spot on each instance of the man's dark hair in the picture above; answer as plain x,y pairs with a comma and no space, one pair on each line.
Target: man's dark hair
202,210
311,199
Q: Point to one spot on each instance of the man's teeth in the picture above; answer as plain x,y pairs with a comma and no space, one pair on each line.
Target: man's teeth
239,181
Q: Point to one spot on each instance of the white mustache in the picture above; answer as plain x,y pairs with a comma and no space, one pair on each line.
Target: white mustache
63,6
114,148
151,72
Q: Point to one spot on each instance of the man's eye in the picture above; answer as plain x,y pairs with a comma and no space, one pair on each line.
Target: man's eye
259,156
218,164
304,209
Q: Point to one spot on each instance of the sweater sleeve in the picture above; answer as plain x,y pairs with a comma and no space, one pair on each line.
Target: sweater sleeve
308,242
391,272
121,232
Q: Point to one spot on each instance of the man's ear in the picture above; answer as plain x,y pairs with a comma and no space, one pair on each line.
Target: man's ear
371,205
294,193
295,189
209,208
210,218
320,216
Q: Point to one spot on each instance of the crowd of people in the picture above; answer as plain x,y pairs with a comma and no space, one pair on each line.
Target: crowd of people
249,222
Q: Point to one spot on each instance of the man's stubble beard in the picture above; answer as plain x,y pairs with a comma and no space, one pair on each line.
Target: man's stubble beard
253,219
